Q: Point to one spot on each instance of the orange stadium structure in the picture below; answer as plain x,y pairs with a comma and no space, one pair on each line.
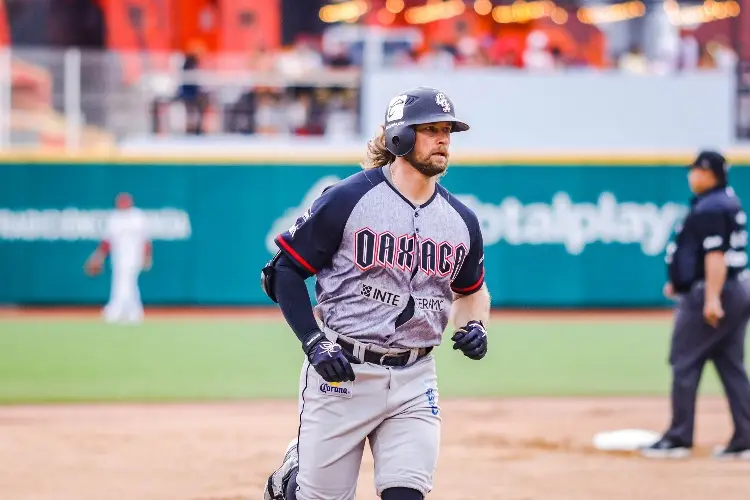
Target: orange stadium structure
4,31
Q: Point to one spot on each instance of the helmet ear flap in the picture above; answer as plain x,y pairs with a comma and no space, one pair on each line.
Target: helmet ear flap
400,140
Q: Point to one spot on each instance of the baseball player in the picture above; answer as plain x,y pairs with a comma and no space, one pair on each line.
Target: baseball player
396,257
126,240
707,269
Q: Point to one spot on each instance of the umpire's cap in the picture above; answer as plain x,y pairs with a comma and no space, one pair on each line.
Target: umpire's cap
413,107
713,161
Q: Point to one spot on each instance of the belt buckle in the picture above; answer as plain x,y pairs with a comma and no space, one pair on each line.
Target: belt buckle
386,355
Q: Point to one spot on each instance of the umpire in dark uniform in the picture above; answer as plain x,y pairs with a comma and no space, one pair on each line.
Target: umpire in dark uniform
707,270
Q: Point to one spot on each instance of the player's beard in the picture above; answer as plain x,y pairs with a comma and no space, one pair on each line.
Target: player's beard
426,165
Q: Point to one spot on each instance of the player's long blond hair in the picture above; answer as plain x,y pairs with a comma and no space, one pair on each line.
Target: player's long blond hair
377,154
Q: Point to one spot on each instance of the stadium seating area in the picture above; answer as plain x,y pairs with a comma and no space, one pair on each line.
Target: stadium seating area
311,86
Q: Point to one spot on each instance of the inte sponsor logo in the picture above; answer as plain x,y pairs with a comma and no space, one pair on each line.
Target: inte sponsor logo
384,296
434,304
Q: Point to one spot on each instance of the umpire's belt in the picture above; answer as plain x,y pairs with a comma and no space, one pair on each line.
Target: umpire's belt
743,275
371,353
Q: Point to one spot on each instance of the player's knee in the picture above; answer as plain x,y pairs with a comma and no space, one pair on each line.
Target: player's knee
684,373
401,494
291,487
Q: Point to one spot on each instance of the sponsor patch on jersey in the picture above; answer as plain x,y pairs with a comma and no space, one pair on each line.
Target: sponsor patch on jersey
432,396
298,223
383,296
338,389
434,304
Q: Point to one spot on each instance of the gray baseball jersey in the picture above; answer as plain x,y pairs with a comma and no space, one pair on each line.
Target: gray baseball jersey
386,271
385,268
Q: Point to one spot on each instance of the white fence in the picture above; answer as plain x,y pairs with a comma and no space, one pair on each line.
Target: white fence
79,100
590,111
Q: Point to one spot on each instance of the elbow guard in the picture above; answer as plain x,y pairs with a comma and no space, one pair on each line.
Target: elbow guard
267,275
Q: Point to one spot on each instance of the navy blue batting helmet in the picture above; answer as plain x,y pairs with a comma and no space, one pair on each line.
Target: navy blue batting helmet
413,107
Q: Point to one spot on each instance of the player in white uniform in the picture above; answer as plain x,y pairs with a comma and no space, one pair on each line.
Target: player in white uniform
127,241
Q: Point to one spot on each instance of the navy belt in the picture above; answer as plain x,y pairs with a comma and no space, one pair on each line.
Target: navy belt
384,359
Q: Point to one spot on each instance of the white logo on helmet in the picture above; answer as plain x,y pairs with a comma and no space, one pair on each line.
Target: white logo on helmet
396,108
442,101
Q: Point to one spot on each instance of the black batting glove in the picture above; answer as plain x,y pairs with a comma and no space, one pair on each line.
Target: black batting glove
329,360
471,340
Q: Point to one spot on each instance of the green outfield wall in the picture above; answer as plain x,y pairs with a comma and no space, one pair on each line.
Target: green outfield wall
555,235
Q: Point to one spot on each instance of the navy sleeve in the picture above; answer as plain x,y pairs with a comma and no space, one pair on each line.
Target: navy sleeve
712,230
470,276
294,301
316,235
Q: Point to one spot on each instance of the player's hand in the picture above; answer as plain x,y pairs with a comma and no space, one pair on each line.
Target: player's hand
330,361
147,263
712,311
471,340
93,266
668,290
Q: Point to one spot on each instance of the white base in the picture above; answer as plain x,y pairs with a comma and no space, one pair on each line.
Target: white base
625,440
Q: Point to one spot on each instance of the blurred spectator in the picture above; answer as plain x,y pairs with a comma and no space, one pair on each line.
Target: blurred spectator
272,103
559,60
593,51
667,55
507,51
341,120
634,61
689,51
261,60
468,46
437,56
298,112
338,57
402,57
318,110
724,57
269,115
537,56
239,116
302,59
705,59
191,96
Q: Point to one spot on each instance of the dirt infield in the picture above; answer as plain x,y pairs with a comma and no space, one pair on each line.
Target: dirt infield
509,449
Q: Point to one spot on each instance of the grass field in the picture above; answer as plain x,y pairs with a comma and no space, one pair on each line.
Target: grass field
547,385
83,360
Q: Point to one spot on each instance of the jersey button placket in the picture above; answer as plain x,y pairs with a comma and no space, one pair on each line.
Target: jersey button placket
416,250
